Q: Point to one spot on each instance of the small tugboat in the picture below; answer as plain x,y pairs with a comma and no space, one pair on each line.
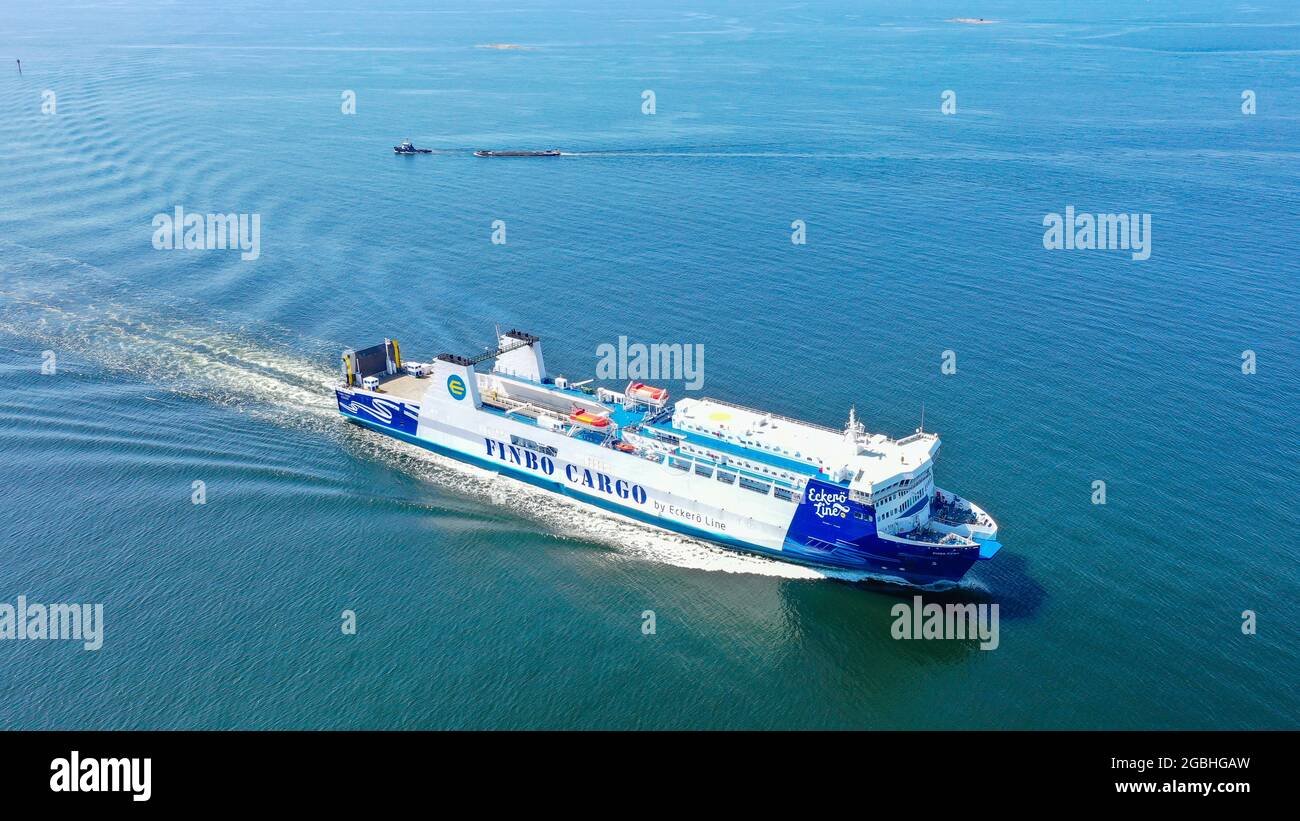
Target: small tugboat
550,152
408,148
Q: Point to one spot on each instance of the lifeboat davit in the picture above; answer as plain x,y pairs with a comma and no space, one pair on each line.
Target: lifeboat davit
585,417
647,393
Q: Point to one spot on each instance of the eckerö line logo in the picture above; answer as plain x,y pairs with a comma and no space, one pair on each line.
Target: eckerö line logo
828,504
456,387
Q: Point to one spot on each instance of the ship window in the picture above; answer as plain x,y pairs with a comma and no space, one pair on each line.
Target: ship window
726,477
750,484
702,470
782,493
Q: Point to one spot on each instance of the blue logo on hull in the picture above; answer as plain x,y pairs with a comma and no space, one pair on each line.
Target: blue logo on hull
385,412
827,515
456,387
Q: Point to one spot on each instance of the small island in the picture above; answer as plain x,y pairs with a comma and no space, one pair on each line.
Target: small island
972,21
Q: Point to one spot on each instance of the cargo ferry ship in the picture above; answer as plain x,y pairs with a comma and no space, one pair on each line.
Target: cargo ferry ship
736,476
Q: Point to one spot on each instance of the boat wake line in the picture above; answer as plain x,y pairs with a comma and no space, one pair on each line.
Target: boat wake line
278,377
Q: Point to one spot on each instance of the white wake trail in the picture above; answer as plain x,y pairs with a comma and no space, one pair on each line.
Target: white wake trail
222,363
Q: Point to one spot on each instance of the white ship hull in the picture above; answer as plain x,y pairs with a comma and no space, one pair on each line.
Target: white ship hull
608,450
673,499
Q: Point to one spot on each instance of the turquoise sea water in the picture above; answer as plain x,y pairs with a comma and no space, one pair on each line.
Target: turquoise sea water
482,604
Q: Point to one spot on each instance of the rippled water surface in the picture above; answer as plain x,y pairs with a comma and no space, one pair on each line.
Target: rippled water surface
482,603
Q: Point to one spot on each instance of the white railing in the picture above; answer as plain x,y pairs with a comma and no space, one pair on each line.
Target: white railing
916,437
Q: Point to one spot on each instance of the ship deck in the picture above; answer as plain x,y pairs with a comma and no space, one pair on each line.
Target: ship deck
526,407
405,387
753,454
551,400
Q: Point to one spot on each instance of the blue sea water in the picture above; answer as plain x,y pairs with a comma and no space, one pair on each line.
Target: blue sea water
482,604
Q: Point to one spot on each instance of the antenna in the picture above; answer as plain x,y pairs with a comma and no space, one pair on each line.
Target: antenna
853,429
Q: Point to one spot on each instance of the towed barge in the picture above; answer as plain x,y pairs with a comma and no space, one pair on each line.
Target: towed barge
550,152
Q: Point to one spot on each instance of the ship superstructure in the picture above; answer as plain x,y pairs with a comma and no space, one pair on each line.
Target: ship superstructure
738,476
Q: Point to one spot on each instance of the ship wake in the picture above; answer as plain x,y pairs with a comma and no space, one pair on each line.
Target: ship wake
280,377
78,310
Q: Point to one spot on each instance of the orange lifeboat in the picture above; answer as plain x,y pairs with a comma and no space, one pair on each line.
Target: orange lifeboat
648,393
585,417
